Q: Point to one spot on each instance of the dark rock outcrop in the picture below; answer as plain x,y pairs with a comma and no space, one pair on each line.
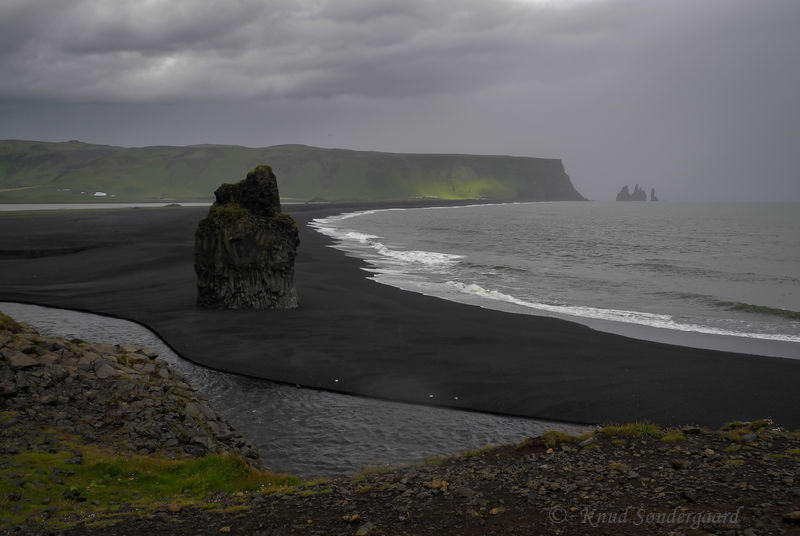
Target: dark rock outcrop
245,249
653,194
118,395
638,194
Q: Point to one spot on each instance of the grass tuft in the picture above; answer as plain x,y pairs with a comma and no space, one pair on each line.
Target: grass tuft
554,438
470,453
793,452
746,431
433,461
369,471
673,436
633,430
9,324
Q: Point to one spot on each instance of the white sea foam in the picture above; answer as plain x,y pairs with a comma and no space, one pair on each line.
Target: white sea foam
358,237
360,241
615,315
588,312
347,215
429,258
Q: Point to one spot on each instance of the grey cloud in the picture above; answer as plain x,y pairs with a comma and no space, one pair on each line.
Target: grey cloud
165,50
110,27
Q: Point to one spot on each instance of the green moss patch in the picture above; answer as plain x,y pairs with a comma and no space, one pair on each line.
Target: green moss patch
66,481
746,431
632,430
228,214
9,324
673,436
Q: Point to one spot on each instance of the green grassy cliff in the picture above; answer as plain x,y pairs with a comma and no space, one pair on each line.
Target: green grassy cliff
72,171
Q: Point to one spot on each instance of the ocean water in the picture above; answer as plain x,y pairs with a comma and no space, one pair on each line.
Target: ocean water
718,269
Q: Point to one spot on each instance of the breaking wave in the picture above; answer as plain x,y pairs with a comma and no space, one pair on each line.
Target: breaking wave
327,227
617,315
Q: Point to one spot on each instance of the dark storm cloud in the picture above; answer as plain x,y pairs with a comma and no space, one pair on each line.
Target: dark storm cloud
697,98
140,51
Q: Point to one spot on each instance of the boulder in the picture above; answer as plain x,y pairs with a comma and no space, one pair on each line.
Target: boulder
245,249
18,360
105,371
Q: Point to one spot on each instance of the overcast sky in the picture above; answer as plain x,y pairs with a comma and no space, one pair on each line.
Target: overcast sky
698,98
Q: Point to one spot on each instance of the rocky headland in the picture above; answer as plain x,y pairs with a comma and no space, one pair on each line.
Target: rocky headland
245,249
41,172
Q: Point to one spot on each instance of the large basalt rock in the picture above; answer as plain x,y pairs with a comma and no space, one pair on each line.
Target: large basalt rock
245,249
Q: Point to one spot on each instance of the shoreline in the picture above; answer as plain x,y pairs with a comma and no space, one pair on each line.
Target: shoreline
377,340
695,339
709,340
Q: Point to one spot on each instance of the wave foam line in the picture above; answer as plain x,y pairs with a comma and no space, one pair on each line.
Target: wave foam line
616,315
362,240
347,215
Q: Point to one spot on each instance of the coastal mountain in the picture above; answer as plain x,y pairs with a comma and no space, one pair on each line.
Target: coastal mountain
73,171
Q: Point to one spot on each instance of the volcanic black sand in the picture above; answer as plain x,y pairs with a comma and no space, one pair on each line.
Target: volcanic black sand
357,336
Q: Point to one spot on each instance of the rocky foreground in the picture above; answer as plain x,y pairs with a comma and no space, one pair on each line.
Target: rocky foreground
115,394
621,482
630,479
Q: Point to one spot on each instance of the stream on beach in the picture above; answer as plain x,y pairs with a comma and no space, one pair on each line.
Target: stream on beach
305,432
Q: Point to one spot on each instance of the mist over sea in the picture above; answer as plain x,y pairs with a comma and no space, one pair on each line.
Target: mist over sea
724,269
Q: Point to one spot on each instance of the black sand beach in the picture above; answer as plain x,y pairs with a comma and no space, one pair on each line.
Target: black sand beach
353,335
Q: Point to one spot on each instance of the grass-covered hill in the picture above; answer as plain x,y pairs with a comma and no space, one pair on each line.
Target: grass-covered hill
32,171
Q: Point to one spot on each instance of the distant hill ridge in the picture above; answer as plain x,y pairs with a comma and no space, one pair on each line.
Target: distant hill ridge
32,171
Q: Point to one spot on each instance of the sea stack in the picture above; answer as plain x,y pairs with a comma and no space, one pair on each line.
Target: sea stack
638,194
244,251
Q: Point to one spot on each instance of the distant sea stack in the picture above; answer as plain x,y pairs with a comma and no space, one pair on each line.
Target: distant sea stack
245,249
638,194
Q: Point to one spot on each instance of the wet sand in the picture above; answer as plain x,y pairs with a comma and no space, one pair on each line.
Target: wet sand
354,335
